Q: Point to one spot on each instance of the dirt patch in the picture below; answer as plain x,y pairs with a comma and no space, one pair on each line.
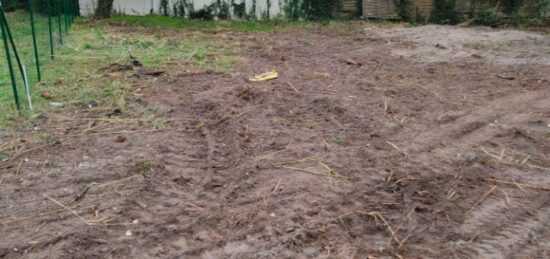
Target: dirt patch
390,158
436,43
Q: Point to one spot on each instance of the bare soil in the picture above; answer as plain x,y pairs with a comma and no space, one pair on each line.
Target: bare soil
368,144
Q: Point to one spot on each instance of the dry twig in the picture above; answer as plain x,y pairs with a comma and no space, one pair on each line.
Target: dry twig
194,206
505,197
293,88
376,214
520,185
397,148
485,196
68,209
276,186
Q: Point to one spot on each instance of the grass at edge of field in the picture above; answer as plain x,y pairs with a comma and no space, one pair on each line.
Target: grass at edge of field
74,77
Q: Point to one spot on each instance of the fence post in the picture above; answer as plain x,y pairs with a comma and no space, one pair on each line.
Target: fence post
77,3
76,8
33,31
71,3
58,9
65,17
70,12
10,38
50,9
3,25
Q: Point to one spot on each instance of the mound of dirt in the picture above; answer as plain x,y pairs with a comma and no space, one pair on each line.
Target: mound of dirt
437,43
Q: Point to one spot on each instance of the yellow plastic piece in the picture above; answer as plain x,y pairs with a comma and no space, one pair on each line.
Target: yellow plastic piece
265,76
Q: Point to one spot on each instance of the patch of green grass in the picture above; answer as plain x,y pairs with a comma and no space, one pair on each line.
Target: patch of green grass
144,165
157,124
183,23
74,76
200,125
19,23
338,140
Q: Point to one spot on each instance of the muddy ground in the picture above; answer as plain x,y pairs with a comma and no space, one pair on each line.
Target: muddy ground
372,143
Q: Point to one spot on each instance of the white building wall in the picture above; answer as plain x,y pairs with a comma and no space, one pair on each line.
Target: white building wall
144,7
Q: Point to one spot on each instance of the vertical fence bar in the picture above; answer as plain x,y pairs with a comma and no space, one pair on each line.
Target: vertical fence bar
71,3
58,11
50,31
70,12
33,31
10,38
77,8
3,25
65,16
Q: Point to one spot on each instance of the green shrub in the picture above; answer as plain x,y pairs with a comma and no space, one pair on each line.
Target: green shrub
490,18
444,12
311,9
528,20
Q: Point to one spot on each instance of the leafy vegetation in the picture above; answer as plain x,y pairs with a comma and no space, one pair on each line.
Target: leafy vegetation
74,77
182,23
445,12
21,31
492,13
311,9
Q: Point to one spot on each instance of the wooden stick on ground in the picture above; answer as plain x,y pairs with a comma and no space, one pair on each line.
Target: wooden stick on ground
276,186
293,88
520,185
5,223
18,168
307,159
376,214
507,200
485,196
399,150
68,209
303,170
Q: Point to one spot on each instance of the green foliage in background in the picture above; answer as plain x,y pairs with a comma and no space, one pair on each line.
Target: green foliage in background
164,8
311,9
294,9
445,12
492,13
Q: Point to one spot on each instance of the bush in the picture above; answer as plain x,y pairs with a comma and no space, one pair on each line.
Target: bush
490,18
529,20
40,6
444,12
311,9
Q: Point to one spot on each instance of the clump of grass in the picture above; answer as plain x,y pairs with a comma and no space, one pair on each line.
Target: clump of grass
144,165
182,23
157,124
74,76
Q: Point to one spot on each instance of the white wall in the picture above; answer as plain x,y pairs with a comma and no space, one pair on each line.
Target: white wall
143,7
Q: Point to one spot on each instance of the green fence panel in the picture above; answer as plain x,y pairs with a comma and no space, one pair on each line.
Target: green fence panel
33,30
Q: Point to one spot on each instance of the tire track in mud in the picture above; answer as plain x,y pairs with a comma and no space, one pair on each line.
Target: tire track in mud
469,128
201,162
465,128
209,197
219,171
495,229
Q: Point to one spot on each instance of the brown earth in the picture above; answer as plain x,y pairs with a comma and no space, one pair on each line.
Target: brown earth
357,150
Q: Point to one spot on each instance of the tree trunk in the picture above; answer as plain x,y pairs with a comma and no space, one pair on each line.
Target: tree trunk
104,8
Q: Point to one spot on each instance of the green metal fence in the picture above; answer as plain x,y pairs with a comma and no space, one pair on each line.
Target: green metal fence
31,31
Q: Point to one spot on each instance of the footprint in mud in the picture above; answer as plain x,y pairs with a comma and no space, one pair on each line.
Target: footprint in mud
327,105
247,93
